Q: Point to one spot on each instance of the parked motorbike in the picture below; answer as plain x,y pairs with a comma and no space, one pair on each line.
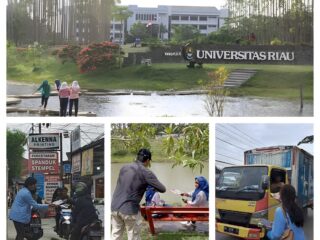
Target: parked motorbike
35,231
64,229
92,231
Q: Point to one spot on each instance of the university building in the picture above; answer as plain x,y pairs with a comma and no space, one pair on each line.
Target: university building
206,19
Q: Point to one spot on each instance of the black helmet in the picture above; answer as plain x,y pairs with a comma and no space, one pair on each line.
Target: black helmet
143,155
30,181
80,188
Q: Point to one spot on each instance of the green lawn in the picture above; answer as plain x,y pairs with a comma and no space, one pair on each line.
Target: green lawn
276,81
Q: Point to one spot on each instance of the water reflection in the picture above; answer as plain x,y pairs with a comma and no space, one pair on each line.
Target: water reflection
171,106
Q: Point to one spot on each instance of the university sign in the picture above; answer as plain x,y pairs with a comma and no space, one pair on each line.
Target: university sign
44,141
194,55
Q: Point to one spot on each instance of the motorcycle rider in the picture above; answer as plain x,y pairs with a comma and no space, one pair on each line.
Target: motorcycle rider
84,211
20,212
62,195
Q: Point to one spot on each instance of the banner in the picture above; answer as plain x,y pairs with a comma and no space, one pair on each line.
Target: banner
40,184
75,139
44,162
44,141
51,183
87,162
76,163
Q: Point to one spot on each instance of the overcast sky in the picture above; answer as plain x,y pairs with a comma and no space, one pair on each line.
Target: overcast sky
233,139
147,3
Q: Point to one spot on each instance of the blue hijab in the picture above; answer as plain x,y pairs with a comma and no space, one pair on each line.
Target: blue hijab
203,186
149,194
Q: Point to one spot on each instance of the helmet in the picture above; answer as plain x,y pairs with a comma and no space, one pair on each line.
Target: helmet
143,155
81,188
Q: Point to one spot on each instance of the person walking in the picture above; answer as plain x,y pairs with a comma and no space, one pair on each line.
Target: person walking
45,90
288,216
132,183
64,93
20,212
74,98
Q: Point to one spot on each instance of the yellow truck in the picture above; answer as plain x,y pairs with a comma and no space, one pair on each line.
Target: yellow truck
243,193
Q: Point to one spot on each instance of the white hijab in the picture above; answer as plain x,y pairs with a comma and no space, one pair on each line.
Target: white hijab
75,84
64,85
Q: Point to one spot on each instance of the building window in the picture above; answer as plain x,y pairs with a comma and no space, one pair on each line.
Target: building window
203,27
184,18
193,18
203,18
212,26
175,17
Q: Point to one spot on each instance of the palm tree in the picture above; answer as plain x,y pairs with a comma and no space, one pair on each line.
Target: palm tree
121,13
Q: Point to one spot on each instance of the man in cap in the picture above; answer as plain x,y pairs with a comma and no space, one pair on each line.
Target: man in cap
131,185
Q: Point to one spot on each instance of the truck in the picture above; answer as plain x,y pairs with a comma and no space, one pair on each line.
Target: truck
243,193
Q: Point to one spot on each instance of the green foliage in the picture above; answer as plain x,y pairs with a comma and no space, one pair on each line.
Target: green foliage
15,149
185,33
275,41
139,30
190,148
68,53
214,101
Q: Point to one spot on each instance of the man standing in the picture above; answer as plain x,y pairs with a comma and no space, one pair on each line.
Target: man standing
20,212
125,206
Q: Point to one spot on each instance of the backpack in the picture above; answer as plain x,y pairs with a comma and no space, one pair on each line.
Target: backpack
288,233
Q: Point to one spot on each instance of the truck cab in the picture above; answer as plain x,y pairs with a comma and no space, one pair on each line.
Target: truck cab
245,195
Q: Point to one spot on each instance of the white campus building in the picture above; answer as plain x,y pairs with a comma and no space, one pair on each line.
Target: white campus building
206,19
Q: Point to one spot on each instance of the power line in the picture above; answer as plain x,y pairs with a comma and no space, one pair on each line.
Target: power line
220,161
232,136
229,157
230,143
255,140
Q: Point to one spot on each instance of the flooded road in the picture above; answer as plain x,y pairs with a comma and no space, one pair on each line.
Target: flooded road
167,106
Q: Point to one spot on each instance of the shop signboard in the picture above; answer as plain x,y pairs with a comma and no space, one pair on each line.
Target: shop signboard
76,163
44,141
75,139
44,162
87,162
40,184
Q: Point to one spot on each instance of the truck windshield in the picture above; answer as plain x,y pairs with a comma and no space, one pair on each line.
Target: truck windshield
241,183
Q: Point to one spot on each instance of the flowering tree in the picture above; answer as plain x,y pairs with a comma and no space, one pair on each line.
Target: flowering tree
98,55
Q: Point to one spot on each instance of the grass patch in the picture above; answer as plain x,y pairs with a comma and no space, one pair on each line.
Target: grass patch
275,81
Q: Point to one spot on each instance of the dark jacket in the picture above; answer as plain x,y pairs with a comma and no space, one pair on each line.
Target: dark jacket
84,211
132,183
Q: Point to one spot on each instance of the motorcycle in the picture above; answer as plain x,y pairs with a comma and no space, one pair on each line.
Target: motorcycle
64,228
34,231
92,231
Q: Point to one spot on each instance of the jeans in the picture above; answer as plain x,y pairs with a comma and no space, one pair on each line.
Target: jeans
20,229
44,101
76,106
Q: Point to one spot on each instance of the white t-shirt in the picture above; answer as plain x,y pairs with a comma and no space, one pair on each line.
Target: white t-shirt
200,200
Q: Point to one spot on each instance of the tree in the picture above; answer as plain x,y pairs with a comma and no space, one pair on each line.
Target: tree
185,33
15,149
121,13
139,30
184,144
214,100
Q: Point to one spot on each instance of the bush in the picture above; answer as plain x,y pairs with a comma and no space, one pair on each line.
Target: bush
98,55
69,52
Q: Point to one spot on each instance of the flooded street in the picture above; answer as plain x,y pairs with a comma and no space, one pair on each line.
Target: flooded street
166,106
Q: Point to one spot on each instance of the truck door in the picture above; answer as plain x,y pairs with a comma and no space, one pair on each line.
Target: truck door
277,179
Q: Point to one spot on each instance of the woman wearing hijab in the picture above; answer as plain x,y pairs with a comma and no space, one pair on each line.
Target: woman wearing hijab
153,197
288,216
199,197
64,93
44,89
74,98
